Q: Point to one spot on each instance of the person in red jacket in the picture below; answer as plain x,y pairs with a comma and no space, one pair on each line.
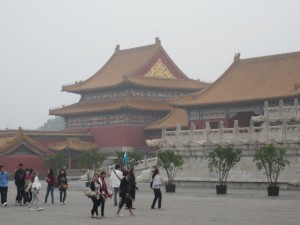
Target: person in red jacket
50,179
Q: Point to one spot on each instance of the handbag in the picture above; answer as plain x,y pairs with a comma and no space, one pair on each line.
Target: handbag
89,193
63,186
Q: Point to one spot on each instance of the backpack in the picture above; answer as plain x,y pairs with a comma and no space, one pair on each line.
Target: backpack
151,184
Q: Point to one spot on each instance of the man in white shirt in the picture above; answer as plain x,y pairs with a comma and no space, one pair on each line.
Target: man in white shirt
115,180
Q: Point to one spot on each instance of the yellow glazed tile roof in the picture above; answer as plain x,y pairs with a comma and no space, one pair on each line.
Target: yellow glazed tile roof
130,65
261,78
7,143
90,107
170,121
74,144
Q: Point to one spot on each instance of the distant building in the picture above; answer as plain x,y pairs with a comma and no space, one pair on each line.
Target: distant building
242,90
129,93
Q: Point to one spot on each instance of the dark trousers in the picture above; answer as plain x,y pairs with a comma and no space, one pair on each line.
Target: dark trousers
20,194
157,195
3,192
102,207
96,203
62,195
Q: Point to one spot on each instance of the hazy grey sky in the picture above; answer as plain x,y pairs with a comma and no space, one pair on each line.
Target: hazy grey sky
46,44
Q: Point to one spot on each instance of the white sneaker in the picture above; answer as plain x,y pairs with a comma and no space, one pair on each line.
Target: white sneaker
40,209
61,203
5,204
30,209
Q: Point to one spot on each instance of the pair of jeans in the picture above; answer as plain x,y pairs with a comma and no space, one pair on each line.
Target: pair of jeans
96,204
116,193
62,195
157,195
3,192
50,189
20,195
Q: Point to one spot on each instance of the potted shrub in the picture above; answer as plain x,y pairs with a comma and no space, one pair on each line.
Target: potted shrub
272,160
222,159
89,161
171,162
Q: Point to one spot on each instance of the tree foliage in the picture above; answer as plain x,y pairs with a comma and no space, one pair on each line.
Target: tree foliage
171,162
90,160
56,161
133,156
272,159
56,123
222,159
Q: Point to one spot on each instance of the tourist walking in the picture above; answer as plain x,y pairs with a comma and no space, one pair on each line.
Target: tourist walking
35,186
132,186
104,189
62,186
156,189
96,187
3,185
50,179
115,180
19,178
124,195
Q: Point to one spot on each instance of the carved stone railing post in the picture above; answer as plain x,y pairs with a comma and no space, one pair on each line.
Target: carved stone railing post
284,129
221,129
267,129
178,129
207,128
145,161
251,131
193,128
266,109
235,128
296,104
163,133
280,109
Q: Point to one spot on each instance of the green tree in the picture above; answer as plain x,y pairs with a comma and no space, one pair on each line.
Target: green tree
272,159
89,161
222,159
171,162
56,161
56,123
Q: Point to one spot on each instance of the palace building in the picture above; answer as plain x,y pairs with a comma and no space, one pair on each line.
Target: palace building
121,103
242,90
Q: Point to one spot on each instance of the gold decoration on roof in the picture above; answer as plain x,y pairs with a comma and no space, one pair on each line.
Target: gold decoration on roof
159,70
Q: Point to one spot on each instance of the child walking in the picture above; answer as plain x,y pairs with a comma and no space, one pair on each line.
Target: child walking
35,186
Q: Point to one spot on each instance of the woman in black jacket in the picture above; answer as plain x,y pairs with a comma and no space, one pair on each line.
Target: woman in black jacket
63,186
124,194
95,186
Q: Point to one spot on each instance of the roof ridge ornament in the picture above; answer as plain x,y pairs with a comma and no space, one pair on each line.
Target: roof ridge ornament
117,49
237,57
157,40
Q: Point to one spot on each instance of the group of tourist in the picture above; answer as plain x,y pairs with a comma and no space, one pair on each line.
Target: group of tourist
28,185
122,182
124,186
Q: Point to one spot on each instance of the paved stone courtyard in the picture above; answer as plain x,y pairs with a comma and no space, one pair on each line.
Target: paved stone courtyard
186,206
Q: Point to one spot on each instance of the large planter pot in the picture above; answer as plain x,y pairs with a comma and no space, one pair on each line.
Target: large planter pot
273,191
170,187
221,189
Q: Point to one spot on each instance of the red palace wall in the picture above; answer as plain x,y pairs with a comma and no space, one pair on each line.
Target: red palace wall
11,162
118,136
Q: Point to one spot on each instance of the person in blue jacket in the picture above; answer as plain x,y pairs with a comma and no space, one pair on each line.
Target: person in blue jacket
3,185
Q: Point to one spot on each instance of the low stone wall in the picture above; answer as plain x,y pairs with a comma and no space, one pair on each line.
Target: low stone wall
244,174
